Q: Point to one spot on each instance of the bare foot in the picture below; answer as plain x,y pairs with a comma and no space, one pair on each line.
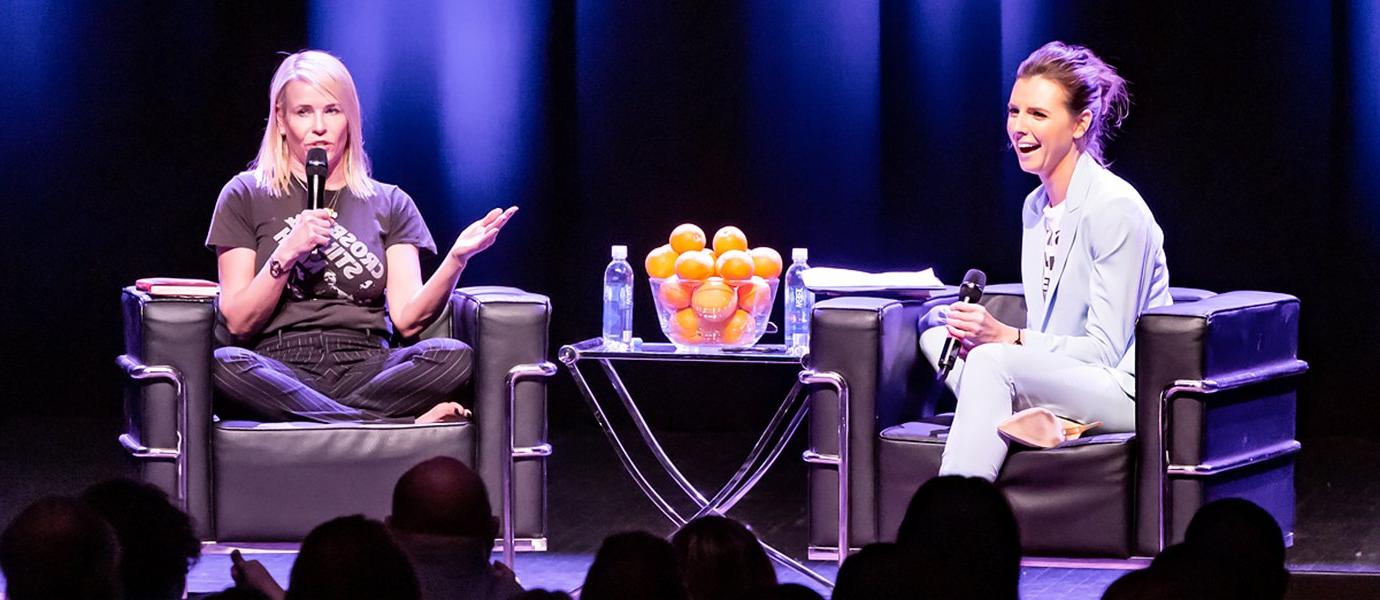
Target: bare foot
444,412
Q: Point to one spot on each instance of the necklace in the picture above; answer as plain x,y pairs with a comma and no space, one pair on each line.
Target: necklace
330,204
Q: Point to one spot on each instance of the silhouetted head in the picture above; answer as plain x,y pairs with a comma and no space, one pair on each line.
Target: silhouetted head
1180,572
721,560
350,558
60,548
962,531
542,595
1245,542
157,543
878,571
442,496
633,565
790,591
1135,585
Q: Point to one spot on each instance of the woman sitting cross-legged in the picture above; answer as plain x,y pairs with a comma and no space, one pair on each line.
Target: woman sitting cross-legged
311,294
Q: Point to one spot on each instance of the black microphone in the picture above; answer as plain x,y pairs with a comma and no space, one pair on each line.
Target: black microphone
316,184
969,291
316,177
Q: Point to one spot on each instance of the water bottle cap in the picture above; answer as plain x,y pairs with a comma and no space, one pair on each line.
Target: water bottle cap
799,254
620,252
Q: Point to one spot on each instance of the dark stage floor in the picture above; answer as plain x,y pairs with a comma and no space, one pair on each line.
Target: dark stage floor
1338,481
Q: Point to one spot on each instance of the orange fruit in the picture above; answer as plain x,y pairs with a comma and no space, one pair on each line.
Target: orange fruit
738,325
686,325
694,265
661,262
754,295
673,294
734,265
687,237
766,262
714,300
729,238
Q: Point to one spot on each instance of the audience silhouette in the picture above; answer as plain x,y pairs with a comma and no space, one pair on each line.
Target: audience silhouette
879,570
791,591
1232,550
443,520
60,548
157,542
541,595
720,559
124,540
633,566
961,539
351,558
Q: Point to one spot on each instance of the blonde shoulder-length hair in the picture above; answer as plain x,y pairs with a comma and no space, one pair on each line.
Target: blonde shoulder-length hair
325,73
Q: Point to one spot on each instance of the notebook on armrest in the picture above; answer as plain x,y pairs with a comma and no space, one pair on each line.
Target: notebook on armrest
175,286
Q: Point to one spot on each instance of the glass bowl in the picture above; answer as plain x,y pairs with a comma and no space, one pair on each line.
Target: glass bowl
714,312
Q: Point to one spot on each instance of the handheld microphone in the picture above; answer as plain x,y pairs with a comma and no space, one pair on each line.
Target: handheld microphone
316,177
969,291
316,184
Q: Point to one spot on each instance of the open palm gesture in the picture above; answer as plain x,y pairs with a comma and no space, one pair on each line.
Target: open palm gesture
481,234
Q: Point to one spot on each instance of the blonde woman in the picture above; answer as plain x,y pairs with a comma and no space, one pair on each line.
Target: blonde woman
314,326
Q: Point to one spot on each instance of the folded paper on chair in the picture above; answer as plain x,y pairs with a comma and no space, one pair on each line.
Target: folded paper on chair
841,282
175,286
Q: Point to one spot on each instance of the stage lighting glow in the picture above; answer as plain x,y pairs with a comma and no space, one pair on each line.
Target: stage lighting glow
454,85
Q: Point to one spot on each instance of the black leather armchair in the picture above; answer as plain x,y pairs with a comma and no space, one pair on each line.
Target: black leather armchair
247,481
1216,381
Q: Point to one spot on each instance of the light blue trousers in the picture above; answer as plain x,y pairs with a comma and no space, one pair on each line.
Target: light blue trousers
998,379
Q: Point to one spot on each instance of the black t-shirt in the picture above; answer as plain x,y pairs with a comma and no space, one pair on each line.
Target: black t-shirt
343,289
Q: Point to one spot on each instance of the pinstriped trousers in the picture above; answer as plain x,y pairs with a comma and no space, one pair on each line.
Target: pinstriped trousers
339,375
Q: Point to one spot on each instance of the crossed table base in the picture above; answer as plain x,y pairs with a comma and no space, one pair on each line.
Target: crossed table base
768,448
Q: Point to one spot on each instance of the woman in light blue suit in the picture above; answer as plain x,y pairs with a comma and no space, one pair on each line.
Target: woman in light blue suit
1092,260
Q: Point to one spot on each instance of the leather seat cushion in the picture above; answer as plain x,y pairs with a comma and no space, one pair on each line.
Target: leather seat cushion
277,481
1073,500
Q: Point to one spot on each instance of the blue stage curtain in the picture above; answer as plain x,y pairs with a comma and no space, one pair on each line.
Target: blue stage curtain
1361,31
453,101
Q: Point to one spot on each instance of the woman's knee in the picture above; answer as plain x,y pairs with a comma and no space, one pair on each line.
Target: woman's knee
986,380
447,350
453,359
233,359
989,359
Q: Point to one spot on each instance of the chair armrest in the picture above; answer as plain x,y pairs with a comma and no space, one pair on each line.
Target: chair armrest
506,327
176,333
872,344
1225,367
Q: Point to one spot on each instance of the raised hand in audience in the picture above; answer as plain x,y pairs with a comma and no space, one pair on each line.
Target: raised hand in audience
253,575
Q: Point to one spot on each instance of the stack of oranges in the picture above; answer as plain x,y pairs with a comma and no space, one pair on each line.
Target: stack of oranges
717,292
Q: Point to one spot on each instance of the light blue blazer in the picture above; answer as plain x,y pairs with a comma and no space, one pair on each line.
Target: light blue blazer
1109,268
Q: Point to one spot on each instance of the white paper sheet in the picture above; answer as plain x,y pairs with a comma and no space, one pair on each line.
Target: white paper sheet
829,279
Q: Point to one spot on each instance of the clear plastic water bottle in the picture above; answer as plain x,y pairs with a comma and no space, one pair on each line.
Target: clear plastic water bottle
618,294
799,302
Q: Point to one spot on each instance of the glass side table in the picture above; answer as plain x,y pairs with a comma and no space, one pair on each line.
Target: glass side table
768,448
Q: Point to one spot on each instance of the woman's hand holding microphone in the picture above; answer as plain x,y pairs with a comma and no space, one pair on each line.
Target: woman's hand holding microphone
312,230
972,325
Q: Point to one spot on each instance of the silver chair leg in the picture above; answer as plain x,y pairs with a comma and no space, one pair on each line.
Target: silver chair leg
840,386
517,375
